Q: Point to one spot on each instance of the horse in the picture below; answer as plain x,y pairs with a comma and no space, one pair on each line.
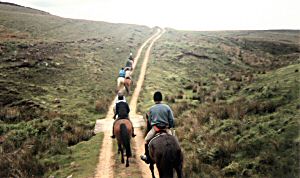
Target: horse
121,85
123,133
127,81
165,152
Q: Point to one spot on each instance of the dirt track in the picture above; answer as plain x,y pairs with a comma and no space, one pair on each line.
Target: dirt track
106,162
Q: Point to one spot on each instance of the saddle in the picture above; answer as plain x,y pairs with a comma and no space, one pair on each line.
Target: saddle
157,135
121,118
160,128
159,131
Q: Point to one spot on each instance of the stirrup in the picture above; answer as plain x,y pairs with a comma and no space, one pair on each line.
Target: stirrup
145,159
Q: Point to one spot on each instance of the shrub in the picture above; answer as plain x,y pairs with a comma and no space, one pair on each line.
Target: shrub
170,99
188,87
180,95
219,111
10,114
179,108
101,106
237,110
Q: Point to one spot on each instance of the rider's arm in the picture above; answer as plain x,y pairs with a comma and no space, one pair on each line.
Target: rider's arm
117,109
128,108
171,118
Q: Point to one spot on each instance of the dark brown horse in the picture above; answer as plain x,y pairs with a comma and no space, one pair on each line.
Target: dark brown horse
123,132
165,152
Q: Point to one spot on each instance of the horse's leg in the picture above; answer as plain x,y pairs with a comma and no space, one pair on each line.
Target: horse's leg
178,166
179,170
164,169
152,169
121,151
118,86
127,88
119,148
127,161
122,156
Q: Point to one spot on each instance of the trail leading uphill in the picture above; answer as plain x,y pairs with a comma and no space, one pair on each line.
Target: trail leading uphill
105,165
137,120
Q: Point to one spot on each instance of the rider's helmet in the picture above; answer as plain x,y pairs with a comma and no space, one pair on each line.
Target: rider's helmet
121,96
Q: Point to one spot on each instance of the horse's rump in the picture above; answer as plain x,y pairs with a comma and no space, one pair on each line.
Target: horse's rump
117,128
123,132
165,152
128,73
127,81
120,81
165,148
120,84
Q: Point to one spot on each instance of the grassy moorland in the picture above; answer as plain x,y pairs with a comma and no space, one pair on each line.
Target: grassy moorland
57,76
235,96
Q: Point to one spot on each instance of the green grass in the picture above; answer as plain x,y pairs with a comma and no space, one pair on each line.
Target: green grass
81,160
60,74
236,107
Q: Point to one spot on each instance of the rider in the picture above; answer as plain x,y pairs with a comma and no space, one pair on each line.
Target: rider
129,62
161,118
122,73
122,111
130,56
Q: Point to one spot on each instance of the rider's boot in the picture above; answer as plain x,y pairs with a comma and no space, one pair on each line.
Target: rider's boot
113,135
133,135
146,156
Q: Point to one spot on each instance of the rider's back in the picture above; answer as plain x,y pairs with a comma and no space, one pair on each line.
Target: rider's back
161,114
122,73
122,110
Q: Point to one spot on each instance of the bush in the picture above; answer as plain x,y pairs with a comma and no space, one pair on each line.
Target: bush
179,108
20,163
101,106
170,99
180,95
219,111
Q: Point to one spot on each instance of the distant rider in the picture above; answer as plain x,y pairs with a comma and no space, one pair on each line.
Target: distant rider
122,73
129,62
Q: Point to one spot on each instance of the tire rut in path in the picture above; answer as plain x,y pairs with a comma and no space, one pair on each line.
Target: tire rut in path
106,162
138,120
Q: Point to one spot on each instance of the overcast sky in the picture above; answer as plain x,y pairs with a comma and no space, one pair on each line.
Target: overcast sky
180,14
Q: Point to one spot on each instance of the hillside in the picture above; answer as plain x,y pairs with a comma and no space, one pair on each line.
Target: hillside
235,97
57,77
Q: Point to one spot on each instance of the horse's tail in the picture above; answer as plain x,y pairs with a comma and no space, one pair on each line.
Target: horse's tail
127,88
125,139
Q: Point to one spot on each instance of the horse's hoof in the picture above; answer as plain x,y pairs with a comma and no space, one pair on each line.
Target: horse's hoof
127,165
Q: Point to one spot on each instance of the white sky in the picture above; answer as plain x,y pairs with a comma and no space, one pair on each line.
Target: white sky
180,14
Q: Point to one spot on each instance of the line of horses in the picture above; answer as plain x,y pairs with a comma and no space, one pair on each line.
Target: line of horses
164,149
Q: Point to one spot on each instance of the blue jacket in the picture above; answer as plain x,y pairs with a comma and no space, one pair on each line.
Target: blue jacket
161,114
122,73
